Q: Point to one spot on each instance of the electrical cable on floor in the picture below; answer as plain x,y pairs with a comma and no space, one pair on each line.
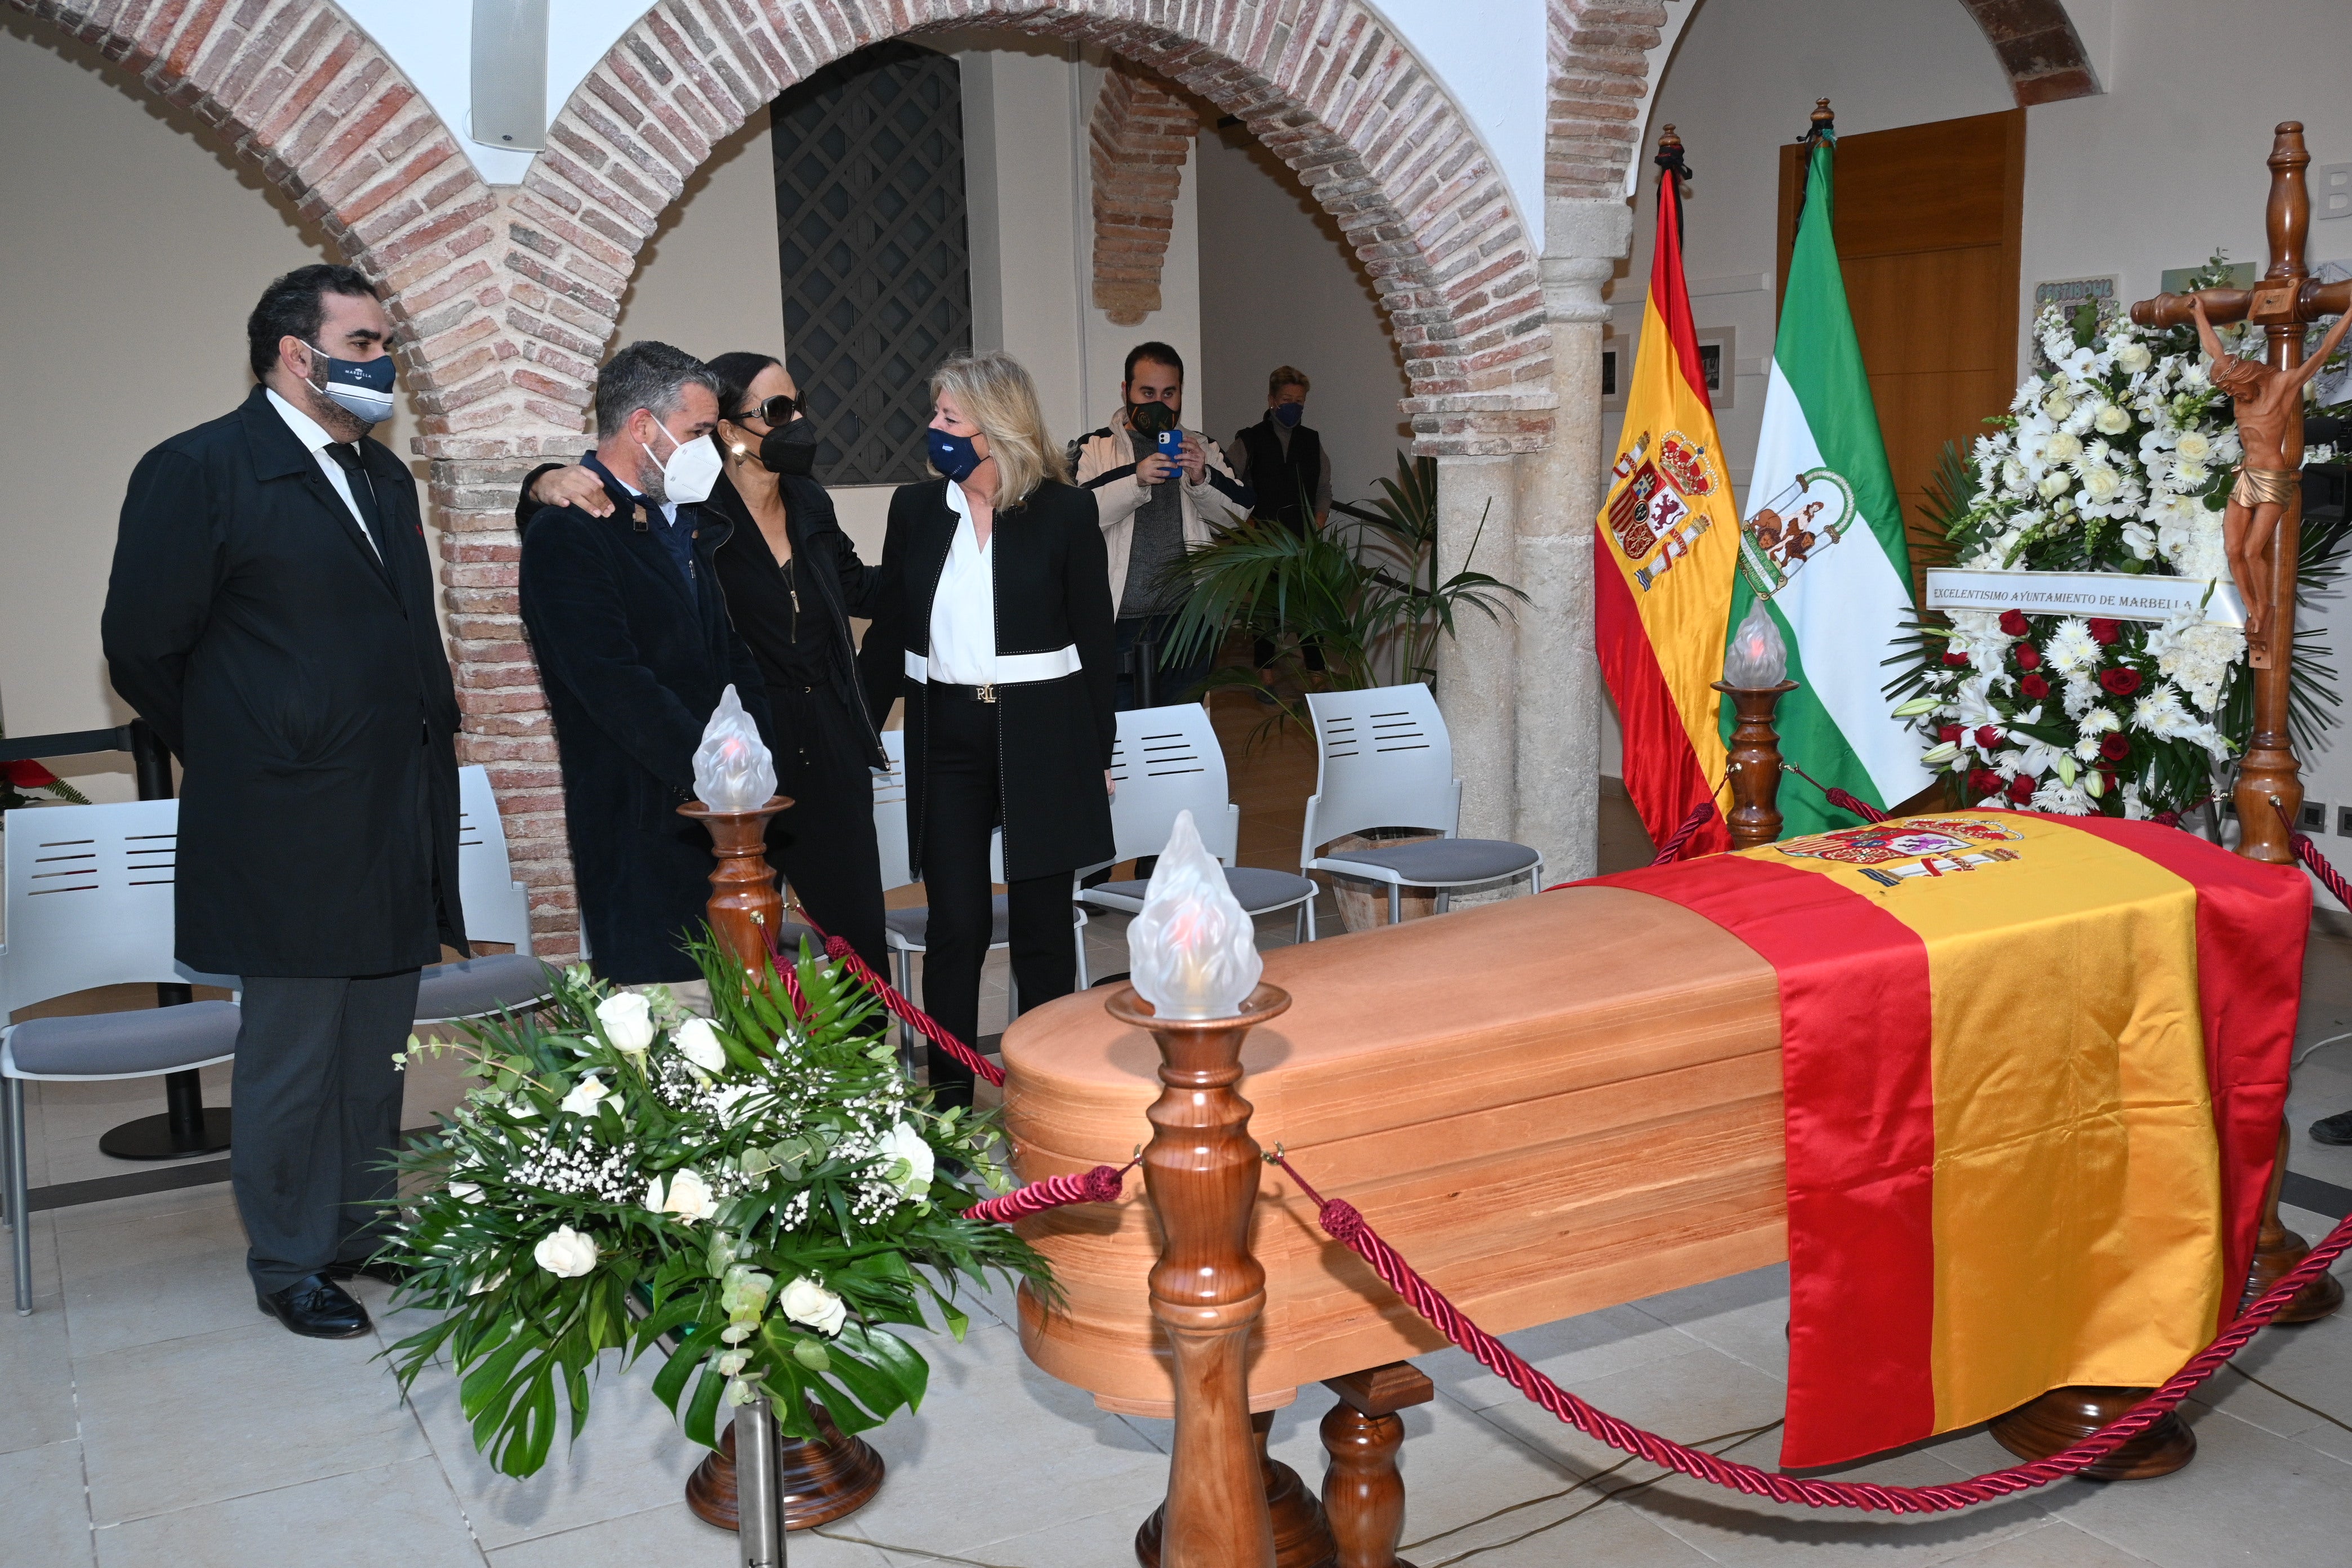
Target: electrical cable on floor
907,1550
1739,1439
2291,1399
2309,1051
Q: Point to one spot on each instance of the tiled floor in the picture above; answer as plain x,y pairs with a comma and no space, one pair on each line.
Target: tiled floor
149,1414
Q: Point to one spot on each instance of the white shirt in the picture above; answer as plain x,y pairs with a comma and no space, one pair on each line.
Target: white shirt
313,435
963,605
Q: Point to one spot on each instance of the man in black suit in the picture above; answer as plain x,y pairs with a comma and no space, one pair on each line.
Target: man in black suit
635,649
270,614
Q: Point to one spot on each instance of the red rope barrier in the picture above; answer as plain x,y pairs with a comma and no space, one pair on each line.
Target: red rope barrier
1671,849
1100,1185
2309,853
1341,1221
838,949
1838,798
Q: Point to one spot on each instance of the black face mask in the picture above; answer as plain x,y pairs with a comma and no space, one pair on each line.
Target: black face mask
789,448
1151,419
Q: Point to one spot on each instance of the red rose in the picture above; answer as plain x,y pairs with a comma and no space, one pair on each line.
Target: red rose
2021,789
2034,685
26,774
1950,734
1988,737
2121,681
2013,623
2113,747
1983,782
2107,633
1956,660
2028,657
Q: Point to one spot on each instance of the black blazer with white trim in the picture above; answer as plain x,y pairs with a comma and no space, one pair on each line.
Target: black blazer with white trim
1053,617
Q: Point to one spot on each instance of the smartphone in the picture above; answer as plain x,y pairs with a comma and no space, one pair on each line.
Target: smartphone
1171,444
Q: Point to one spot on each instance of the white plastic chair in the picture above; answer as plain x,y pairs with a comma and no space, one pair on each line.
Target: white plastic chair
498,908
1168,760
903,930
1383,759
89,901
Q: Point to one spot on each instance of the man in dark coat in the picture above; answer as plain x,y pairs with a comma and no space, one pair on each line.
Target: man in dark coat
270,614
635,651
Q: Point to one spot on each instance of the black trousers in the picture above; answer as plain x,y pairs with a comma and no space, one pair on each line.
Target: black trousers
824,844
317,1115
962,806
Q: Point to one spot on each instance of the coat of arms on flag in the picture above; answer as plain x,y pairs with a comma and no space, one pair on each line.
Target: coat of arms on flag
1810,514
1892,852
1651,512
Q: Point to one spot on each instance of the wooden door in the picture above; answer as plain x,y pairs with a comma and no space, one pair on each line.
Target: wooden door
1929,220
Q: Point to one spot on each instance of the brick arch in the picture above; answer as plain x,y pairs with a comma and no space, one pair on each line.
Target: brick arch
1325,84
1138,139
306,96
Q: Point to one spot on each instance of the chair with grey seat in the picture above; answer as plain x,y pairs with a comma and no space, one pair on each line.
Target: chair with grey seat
1168,760
498,908
1383,759
88,903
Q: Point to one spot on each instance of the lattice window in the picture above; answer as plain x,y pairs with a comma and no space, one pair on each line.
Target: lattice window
876,261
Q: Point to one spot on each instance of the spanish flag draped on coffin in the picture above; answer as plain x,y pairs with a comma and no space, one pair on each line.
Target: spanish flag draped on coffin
1665,549
2033,1069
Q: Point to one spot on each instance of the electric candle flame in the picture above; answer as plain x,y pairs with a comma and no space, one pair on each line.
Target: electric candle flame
732,770
1192,953
1758,660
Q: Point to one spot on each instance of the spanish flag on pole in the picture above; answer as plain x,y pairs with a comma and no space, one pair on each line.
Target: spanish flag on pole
1665,550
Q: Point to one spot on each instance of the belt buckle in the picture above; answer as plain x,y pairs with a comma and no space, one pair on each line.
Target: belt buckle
987,691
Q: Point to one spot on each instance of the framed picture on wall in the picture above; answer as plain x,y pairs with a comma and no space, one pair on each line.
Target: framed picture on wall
1718,362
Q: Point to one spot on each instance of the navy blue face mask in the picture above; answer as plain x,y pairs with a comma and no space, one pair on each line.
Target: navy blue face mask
361,387
953,455
1290,413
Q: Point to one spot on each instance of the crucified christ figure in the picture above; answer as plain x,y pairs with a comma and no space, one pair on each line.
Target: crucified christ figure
2265,399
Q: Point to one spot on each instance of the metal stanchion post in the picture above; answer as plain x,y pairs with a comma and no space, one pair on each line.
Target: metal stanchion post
758,1500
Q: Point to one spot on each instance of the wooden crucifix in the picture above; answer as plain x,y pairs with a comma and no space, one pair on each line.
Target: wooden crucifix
2283,303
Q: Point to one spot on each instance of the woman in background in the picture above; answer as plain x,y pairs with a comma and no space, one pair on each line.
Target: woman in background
997,595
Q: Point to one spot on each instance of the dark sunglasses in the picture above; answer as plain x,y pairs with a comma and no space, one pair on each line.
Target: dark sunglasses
777,410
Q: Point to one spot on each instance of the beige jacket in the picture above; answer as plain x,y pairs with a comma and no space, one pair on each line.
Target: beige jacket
1103,461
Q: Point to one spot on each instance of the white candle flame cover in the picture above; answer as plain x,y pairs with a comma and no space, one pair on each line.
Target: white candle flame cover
1192,953
732,770
1758,660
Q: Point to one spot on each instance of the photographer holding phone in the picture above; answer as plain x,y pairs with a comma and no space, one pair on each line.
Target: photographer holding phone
1163,490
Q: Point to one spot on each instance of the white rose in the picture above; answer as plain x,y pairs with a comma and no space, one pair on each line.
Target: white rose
697,1042
585,1095
903,1143
2111,420
2101,482
2058,406
2013,477
687,1195
565,1253
2055,483
2194,446
628,1020
2061,448
806,1301
2133,357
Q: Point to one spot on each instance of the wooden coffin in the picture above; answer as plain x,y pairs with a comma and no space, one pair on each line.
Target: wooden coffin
1548,1106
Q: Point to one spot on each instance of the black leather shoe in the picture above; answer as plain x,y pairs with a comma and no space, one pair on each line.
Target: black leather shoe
2335,1128
382,1270
316,1307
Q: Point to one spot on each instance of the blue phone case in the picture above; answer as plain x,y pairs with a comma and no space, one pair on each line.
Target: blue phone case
1171,444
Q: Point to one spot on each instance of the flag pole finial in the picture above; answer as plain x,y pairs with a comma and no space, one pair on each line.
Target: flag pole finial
1822,123
1670,156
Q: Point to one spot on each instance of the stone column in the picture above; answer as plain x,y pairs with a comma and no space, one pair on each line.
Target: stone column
1477,668
1558,732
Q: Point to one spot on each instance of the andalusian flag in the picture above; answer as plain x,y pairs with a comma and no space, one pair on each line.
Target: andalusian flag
2034,1070
1664,555
1824,539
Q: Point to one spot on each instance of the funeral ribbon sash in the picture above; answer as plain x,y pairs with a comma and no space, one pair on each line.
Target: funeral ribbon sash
2034,1068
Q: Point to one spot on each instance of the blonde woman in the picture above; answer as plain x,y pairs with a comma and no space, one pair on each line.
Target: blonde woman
997,595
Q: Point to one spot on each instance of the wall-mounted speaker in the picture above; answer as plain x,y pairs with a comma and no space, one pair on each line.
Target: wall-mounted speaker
509,107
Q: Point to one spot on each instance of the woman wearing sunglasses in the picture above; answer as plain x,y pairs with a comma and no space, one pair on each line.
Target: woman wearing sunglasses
791,581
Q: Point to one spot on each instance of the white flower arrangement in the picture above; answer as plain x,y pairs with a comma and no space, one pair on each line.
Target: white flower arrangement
626,1174
2119,458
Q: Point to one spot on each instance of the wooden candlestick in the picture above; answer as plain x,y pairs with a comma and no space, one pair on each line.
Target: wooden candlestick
2065,1416
822,1479
1363,1495
2277,1252
1753,766
1201,1171
746,907
1302,1535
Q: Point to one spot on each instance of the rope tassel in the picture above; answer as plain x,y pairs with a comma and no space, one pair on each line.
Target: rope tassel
1341,1221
